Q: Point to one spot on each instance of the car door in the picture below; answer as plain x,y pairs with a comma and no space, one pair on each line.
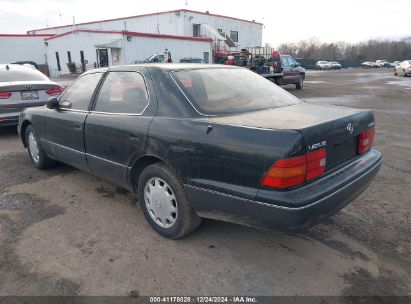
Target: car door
116,128
288,72
294,73
64,126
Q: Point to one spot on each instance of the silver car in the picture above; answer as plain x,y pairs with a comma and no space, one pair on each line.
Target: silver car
22,87
323,65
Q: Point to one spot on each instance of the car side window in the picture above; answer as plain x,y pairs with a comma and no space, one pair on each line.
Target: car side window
123,92
78,95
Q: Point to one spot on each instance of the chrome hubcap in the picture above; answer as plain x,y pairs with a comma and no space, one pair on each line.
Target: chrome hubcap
33,148
161,202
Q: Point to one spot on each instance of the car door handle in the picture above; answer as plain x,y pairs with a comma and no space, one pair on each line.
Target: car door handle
134,137
78,127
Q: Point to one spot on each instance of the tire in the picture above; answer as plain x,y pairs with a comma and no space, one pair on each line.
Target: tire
395,72
37,155
300,83
404,74
167,208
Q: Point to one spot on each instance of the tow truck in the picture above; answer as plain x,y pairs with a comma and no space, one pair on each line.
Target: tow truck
279,68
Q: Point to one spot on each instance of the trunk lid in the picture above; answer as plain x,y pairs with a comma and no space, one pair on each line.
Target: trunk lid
27,86
335,128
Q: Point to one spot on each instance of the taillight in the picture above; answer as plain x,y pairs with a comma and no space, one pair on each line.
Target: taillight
5,95
55,91
295,171
315,164
366,140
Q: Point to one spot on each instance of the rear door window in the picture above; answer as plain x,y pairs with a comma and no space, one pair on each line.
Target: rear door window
79,94
123,92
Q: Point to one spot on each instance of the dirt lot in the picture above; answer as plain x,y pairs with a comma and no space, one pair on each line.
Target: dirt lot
65,232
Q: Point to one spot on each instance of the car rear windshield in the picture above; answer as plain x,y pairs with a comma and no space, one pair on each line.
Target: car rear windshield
21,75
222,91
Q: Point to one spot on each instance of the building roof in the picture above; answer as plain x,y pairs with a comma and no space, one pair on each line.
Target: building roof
127,33
151,14
26,35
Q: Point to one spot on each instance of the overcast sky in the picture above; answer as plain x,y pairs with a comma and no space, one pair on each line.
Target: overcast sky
284,21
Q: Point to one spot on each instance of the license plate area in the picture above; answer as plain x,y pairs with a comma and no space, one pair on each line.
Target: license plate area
29,95
338,152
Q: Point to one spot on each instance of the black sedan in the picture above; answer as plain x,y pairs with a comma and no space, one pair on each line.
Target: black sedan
207,141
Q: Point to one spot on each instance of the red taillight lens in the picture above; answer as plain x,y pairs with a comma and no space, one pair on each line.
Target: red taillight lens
55,91
5,95
315,164
295,171
285,173
366,140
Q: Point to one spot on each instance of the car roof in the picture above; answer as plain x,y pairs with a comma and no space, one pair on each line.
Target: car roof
172,66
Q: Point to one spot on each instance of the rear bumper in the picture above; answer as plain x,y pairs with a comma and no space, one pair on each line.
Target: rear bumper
294,209
9,119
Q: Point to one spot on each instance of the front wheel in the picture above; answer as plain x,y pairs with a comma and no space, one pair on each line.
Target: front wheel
300,83
38,157
165,203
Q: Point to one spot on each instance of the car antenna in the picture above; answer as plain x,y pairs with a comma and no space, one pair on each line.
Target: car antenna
7,67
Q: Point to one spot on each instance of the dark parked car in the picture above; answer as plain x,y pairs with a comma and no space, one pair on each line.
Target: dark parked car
192,60
22,87
209,141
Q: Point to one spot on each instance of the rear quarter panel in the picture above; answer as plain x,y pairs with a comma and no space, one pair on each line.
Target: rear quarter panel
34,116
224,158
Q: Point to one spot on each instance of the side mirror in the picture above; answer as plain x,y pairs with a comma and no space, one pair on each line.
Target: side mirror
53,103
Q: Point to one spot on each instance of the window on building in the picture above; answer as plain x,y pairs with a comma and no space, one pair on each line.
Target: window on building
196,30
82,61
122,92
206,56
219,30
78,95
234,36
58,61
68,57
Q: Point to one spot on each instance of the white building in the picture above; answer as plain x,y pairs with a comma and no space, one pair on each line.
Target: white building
228,32
92,48
23,47
185,33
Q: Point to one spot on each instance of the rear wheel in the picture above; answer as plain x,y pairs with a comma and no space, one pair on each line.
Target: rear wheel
395,72
165,203
300,83
38,157
404,74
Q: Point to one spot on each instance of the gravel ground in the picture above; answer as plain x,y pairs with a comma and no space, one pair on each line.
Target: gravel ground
65,232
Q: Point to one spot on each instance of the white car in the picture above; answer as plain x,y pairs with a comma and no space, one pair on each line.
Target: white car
369,64
323,65
22,87
394,64
383,63
403,68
